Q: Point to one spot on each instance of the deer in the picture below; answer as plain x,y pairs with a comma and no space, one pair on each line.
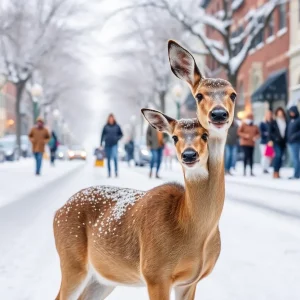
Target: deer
164,238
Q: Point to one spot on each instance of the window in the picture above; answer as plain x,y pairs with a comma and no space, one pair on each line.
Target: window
238,46
270,26
282,16
260,36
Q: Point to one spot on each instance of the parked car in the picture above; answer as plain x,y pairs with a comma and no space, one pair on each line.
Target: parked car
2,154
142,155
76,152
62,152
25,146
10,148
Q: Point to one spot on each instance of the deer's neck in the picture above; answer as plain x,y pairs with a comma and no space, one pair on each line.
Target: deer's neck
204,197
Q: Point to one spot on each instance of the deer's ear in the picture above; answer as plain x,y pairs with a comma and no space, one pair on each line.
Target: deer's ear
183,64
159,121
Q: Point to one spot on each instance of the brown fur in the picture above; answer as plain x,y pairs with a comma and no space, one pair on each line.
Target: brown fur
169,237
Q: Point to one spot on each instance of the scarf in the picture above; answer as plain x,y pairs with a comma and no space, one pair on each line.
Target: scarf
281,126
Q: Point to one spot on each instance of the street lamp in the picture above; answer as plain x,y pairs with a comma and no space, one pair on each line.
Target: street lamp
36,92
2,80
177,92
56,113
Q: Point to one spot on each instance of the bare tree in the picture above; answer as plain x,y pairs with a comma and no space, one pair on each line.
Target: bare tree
31,31
144,46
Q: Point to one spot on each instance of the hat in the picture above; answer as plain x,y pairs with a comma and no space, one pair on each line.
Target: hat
250,115
40,119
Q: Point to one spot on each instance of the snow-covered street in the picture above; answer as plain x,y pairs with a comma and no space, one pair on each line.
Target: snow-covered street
260,257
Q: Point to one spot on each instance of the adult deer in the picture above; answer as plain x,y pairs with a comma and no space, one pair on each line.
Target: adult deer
167,237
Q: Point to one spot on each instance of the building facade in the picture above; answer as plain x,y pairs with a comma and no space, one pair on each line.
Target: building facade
294,53
263,78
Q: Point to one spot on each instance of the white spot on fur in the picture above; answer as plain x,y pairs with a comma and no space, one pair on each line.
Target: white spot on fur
196,172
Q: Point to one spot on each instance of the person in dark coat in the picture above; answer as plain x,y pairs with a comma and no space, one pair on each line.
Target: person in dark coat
264,139
293,139
129,148
231,147
155,142
277,136
53,143
111,134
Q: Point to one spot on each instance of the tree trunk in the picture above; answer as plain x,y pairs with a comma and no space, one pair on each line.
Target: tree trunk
162,101
233,80
20,88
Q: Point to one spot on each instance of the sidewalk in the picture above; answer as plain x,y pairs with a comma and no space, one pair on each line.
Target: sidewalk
266,180
17,178
281,196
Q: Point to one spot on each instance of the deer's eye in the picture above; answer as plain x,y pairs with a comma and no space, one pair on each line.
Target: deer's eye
233,96
199,97
175,139
204,137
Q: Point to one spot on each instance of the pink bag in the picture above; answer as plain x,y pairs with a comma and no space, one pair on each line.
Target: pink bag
269,152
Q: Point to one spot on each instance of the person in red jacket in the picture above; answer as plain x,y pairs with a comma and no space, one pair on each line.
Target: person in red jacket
248,133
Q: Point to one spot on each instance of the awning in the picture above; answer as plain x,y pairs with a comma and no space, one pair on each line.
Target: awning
273,89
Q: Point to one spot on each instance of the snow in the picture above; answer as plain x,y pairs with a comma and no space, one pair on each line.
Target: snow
260,257
17,172
236,4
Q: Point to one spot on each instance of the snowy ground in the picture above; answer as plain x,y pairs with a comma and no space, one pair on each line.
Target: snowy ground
260,256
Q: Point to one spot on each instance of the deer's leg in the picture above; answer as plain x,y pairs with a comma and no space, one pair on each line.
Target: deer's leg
185,293
159,291
74,279
96,291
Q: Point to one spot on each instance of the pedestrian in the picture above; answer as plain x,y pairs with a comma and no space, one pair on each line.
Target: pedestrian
155,142
264,128
231,147
129,148
53,144
111,134
293,139
248,133
277,138
39,137
168,154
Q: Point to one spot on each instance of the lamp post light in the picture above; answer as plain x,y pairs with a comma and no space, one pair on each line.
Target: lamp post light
2,80
36,92
177,92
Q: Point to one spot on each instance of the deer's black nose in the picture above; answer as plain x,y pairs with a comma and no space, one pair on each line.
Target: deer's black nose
189,156
219,114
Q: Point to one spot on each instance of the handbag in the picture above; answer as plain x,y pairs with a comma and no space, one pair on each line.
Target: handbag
269,151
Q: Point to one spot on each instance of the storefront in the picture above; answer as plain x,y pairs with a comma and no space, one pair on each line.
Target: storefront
273,92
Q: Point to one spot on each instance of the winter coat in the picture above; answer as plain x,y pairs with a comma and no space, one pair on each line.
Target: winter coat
247,133
275,136
152,138
111,134
264,128
129,148
53,143
39,137
293,127
232,137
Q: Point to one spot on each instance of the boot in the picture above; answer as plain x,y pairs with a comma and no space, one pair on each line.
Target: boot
150,174
276,175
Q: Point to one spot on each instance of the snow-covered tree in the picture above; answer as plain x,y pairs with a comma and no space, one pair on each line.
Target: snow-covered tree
32,31
143,47
232,49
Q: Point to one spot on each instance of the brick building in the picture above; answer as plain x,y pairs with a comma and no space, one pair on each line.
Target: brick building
263,78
